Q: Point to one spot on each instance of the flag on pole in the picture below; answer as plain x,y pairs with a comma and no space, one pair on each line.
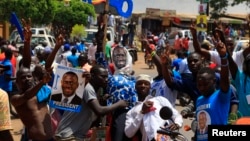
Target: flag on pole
14,20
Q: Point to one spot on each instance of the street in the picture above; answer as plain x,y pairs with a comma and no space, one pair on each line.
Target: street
140,68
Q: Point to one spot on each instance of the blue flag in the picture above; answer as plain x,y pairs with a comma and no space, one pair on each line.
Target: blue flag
14,20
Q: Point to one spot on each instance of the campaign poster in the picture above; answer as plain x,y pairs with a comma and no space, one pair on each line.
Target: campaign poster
67,89
201,23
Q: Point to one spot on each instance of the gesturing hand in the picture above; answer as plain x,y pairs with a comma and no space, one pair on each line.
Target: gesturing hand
147,107
26,30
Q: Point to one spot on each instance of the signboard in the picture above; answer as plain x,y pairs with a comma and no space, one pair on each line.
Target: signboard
201,23
153,11
202,8
167,13
206,1
165,22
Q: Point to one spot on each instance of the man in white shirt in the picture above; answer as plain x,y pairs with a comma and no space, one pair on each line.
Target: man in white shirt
145,115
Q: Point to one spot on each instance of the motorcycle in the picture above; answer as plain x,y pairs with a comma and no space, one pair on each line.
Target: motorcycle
149,61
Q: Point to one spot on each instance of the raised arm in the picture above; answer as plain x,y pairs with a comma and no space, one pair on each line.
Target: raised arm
224,73
196,44
232,65
18,100
165,60
154,56
27,37
51,57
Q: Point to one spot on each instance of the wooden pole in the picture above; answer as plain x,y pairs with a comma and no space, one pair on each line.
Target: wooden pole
105,21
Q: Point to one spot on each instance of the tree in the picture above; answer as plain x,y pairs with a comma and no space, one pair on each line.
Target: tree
78,31
44,12
220,6
41,12
67,17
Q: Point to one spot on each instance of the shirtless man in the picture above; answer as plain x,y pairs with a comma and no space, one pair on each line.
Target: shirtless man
34,113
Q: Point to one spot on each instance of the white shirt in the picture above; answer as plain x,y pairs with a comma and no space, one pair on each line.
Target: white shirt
183,66
163,90
151,122
237,57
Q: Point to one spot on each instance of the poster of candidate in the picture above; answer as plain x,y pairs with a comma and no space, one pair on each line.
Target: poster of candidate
201,23
67,90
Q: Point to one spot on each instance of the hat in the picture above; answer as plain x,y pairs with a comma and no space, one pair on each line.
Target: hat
208,43
144,77
66,47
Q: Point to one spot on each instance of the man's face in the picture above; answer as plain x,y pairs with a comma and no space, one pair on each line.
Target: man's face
230,45
194,62
119,57
202,120
101,79
25,79
201,20
69,84
142,87
206,84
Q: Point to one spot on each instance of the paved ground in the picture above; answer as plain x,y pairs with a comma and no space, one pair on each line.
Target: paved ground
139,67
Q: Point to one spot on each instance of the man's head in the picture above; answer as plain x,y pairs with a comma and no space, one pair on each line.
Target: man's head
119,57
206,81
143,84
202,119
230,43
69,83
24,79
99,76
82,59
194,62
201,20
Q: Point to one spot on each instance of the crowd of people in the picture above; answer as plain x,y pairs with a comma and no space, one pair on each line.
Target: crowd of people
215,78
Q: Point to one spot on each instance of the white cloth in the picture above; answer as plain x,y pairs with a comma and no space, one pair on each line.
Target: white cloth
149,123
238,58
128,67
91,52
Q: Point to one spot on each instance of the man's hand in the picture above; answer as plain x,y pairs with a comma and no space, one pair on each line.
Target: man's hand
165,59
193,29
46,78
174,126
147,107
122,103
27,30
59,41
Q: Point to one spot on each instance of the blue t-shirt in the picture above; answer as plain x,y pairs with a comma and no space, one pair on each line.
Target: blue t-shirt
242,85
6,85
215,108
73,59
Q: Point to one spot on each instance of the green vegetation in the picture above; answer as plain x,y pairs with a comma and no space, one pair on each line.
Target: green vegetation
48,12
219,7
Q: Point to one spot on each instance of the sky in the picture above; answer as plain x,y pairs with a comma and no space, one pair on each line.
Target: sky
181,6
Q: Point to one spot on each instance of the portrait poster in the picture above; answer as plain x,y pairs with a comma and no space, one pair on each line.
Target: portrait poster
201,23
67,89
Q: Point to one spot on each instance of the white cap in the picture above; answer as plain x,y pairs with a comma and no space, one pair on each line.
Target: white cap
143,77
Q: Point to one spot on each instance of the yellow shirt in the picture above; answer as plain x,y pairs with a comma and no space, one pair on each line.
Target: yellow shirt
5,121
